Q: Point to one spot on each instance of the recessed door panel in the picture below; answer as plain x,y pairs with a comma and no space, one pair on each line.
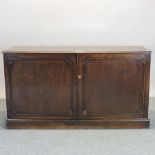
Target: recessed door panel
43,85
111,85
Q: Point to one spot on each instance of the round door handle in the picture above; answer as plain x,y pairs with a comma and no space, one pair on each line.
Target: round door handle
79,76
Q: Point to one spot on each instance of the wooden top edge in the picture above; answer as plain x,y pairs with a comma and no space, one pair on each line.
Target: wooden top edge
75,49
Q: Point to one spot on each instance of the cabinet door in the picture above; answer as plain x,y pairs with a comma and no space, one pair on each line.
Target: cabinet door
41,86
112,86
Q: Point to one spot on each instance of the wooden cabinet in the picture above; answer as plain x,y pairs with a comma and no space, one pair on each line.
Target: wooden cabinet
77,87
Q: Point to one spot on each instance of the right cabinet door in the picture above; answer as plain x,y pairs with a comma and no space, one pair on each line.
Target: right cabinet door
113,85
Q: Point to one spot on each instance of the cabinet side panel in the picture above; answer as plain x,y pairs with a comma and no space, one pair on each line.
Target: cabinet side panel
7,84
147,82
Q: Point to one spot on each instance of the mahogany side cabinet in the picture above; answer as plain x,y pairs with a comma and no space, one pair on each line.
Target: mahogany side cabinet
77,87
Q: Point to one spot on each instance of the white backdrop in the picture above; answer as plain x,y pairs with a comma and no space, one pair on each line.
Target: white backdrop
77,22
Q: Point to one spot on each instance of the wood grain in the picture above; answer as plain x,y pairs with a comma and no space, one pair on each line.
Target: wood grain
77,87
76,49
41,86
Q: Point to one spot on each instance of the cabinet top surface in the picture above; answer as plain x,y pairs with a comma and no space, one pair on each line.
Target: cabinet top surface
75,49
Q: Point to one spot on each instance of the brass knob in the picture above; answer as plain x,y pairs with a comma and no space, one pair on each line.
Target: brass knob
79,77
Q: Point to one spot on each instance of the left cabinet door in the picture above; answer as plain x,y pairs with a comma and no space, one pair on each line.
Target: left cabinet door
41,86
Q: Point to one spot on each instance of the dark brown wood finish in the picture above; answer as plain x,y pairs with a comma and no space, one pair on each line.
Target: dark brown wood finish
75,124
41,86
77,87
113,86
